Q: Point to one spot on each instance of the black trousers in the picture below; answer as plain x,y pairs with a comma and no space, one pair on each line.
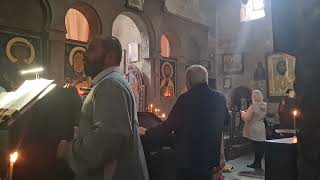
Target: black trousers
194,174
258,147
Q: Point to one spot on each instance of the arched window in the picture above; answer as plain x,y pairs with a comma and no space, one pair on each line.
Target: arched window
165,47
77,26
251,10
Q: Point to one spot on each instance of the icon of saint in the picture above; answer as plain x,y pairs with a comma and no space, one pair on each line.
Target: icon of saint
167,86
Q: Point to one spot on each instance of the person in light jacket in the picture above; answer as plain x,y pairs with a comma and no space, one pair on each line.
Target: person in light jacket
254,128
108,145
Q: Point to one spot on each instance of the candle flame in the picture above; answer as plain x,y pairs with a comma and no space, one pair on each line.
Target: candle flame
295,139
167,93
163,115
295,112
13,157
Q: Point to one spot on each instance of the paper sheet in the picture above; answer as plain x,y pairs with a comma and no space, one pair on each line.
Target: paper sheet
24,94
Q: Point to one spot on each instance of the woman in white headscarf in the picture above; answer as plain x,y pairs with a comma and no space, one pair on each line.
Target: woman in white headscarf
254,128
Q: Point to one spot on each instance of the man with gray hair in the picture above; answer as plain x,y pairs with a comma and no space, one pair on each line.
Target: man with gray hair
196,120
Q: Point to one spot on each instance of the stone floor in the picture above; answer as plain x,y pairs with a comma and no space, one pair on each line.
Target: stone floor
240,166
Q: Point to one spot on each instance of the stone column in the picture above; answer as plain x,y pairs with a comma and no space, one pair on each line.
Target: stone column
56,55
181,71
156,73
307,87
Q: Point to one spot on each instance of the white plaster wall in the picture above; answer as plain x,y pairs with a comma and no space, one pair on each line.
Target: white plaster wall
201,11
127,32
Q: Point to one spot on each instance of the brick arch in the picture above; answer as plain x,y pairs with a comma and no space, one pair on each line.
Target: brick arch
48,13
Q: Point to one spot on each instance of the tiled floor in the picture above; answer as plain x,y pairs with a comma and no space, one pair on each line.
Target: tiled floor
239,166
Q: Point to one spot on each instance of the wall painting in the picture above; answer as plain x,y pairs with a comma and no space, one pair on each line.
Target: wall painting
18,51
74,65
167,78
281,74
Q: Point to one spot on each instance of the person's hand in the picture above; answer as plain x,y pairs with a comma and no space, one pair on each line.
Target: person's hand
242,113
142,131
62,147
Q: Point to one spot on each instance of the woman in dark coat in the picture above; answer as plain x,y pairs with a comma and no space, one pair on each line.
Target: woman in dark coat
286,107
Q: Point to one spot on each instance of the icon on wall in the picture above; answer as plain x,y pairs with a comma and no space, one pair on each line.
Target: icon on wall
260,77
227,83
133,52
135,79
232,64
74,65
281,74
168,78
260,72
135,4
18,51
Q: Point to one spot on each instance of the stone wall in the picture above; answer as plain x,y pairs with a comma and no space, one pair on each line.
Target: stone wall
254,39
201,11
47,17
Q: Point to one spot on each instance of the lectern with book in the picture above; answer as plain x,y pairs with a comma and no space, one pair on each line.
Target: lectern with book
33,120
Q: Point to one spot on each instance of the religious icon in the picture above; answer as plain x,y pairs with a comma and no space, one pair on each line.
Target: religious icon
20,50
76,59
74,66
135,80
133,52
136,4
17,52
260,73
281,74
167,86
232,64
227,83
260,77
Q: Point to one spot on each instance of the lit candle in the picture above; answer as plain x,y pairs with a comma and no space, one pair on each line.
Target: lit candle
13,159
157,112
295,112
151,108
295,139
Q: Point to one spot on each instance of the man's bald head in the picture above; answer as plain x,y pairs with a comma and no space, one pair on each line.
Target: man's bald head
102,53
196,74
103,46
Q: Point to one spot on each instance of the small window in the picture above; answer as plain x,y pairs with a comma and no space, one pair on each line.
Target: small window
165,47
252,10
77,26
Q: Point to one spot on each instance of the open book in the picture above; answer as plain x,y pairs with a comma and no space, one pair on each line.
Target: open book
29,90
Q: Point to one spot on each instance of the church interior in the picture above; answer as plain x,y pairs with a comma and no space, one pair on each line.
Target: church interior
245,45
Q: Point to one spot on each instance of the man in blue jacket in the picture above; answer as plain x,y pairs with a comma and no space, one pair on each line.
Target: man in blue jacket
197,121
